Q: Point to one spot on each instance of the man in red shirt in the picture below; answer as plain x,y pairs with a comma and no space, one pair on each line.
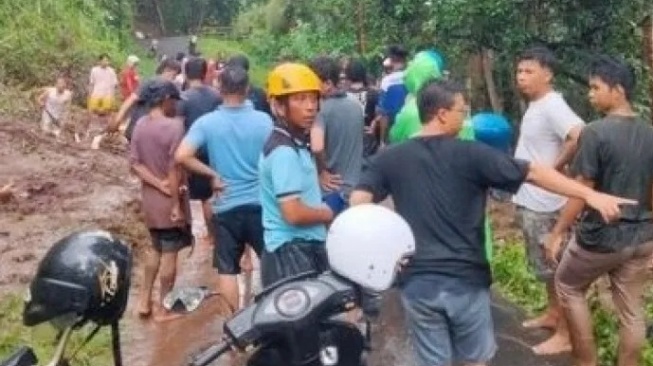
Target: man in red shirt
129,77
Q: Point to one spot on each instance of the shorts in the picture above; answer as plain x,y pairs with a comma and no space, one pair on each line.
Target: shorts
171,239
199,186
234,229
101,105
448,321
293,258
536,226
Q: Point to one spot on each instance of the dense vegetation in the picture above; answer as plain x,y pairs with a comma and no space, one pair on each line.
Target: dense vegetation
479,37
40,38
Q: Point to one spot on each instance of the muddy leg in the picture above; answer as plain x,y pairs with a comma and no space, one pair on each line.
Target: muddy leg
559,342
167,273
150,269
167,277
228,286
207,211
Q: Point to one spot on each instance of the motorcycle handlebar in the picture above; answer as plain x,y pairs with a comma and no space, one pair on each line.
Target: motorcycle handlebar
211,354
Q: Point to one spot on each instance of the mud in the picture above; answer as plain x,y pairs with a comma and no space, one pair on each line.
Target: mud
58,187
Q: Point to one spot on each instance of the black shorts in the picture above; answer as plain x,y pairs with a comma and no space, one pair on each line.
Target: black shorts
199,186
293,258
234,229
172,239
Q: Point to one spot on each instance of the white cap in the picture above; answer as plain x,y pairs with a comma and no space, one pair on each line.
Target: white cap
133,59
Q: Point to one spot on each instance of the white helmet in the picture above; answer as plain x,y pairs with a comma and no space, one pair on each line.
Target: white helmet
366,243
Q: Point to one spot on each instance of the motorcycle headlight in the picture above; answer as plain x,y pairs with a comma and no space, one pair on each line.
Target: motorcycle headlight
292,302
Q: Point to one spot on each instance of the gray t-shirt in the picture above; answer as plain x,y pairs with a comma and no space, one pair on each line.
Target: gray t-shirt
543,131
342,120
615,152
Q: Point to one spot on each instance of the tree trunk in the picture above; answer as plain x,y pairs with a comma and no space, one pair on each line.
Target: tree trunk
477,96
360,32
159,14
488,73
647,28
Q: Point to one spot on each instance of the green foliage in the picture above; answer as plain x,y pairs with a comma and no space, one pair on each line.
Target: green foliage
516,282
42,38
574,29
42,337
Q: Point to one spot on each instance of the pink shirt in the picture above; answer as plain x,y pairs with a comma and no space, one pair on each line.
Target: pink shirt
103,81
153,145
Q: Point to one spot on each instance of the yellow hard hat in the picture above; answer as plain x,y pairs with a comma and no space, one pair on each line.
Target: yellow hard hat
290,78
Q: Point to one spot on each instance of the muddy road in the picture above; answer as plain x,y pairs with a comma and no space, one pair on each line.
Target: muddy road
60,187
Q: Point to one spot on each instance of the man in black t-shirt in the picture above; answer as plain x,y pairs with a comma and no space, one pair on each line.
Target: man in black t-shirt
439,185
196,101
368,98
614,156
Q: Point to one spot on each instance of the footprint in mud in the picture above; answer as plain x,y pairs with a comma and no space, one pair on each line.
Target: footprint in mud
25,257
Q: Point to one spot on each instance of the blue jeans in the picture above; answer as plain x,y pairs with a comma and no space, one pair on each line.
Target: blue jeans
448,320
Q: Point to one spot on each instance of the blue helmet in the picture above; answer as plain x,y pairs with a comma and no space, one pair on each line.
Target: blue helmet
493,129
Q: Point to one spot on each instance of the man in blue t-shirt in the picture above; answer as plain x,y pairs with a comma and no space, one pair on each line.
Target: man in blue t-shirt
294,216
233,137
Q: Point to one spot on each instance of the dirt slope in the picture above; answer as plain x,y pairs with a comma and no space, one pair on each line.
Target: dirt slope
58,187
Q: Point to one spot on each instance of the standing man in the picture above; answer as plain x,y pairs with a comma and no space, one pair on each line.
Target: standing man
198,100
549,134
165,208
294,217
445,288
129,79
102,88
615,156
233,137
337,136
368,98
393,90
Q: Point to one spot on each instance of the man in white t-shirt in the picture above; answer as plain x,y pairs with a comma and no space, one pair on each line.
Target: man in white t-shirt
102,87
548,136
55,102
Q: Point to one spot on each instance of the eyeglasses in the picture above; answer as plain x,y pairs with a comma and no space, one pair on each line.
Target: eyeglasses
464,110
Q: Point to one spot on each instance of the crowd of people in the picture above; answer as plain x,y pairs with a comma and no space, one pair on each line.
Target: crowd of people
273,167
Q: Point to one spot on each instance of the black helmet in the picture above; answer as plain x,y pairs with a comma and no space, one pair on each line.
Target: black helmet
85,276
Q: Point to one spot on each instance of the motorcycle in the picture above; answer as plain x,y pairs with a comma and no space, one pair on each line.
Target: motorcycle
296,322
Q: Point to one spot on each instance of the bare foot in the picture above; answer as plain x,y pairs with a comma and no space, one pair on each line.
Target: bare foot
558,343
545,320
144,310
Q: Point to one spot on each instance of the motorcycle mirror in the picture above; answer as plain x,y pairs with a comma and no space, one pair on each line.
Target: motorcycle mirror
186,299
